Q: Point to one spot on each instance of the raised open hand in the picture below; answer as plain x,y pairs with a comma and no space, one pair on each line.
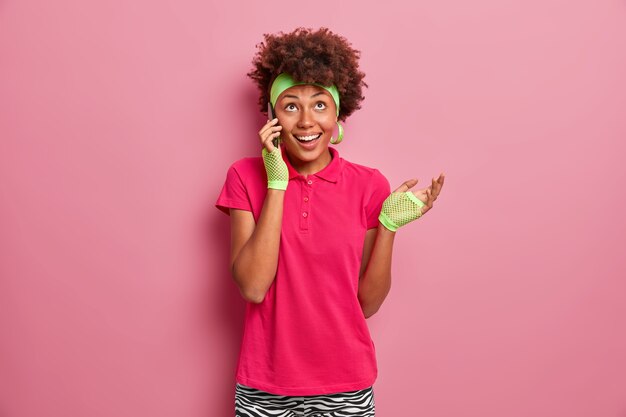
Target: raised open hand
403,206
426,195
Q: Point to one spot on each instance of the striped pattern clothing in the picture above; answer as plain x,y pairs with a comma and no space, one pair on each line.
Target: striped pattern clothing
252,402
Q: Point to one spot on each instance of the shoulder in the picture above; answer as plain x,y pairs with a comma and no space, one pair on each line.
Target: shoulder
363,172
247,173
244,185
246,164
247,167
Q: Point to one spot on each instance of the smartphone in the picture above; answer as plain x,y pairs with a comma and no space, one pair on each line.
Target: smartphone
271,116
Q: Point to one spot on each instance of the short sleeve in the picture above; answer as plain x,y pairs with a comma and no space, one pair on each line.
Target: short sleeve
379,190
234,193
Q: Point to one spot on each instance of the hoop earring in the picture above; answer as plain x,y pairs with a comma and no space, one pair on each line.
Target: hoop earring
339,137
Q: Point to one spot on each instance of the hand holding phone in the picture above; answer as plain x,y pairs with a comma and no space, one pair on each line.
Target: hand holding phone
271,116
270,132
275,166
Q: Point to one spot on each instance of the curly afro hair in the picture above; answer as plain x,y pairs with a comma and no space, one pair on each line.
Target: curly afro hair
310,57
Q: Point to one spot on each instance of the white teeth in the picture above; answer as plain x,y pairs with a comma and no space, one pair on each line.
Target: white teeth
308,138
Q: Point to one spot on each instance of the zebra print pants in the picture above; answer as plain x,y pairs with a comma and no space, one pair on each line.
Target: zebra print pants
251,402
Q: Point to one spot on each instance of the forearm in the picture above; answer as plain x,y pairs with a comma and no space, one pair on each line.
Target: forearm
375,283
255,266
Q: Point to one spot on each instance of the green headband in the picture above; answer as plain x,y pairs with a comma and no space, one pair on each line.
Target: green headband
284,81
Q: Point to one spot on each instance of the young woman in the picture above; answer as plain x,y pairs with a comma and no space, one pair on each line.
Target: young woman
311,237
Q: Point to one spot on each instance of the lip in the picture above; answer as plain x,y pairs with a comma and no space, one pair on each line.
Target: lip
308,145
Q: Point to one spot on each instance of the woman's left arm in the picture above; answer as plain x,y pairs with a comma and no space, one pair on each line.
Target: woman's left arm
375,274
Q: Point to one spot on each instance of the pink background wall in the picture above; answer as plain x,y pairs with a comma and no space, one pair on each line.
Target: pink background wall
118,120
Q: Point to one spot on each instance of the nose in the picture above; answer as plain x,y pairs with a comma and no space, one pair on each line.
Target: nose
306,119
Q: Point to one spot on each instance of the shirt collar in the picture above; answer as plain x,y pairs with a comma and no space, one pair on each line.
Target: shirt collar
329,173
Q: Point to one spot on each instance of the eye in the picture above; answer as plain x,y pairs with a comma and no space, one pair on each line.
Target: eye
322,103
289,105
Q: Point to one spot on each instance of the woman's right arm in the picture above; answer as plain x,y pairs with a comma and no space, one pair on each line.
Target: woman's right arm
254,248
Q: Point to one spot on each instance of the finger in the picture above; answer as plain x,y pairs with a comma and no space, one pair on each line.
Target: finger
268,124
271,122
437,184
430,200
406,185
434,187
268,141
270,129
272,135
433,197
269,145
269,137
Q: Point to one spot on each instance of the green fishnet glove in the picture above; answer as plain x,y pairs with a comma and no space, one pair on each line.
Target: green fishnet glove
399,209
277,172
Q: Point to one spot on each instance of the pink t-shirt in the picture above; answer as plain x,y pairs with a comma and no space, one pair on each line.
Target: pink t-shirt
309,335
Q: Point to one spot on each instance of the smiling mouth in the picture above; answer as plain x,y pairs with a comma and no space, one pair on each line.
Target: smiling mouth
306,139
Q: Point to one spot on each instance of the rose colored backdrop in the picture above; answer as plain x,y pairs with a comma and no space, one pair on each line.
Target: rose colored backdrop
119,119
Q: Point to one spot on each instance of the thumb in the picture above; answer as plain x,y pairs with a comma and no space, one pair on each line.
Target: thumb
406,185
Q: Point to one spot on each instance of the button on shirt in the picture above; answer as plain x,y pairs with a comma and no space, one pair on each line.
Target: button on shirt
309,335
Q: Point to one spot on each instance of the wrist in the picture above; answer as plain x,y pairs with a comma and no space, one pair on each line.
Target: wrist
383,230
387,223
279,185
276,169
276,191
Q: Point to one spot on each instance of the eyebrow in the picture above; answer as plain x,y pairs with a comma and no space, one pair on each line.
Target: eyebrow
296,97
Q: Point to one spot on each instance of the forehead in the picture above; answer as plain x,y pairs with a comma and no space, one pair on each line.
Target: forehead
304,91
